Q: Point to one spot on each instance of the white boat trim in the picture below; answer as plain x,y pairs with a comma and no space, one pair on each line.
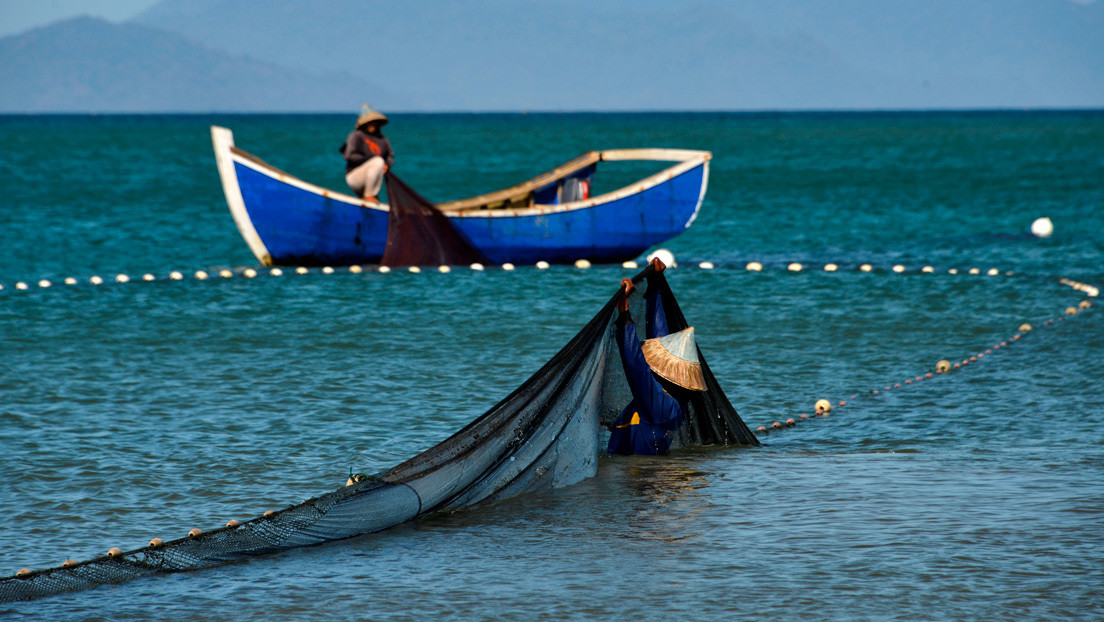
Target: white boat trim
223,140
686,159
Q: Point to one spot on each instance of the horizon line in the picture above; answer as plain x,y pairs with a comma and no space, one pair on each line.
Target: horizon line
748,111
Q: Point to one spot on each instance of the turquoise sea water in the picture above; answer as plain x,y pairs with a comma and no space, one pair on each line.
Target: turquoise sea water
135,410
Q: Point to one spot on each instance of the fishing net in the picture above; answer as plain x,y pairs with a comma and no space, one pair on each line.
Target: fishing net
546,434
418,234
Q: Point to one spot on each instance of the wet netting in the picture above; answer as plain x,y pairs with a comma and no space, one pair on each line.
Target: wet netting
548,433
418,234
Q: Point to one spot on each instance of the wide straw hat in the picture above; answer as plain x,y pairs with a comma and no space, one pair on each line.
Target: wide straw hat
368,115
675,359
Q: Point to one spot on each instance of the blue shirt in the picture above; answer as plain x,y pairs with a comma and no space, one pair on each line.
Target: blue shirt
647,425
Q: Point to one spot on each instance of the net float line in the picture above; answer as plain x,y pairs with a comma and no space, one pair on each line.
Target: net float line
823,407
581,264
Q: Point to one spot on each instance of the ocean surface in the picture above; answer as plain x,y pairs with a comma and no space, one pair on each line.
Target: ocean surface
143,409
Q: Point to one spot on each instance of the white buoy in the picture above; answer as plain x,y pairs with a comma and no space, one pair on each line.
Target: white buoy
993,272
122,278
355,269
542,265
44,283
478,267
148,277
224,273
276,272
706,265
898,268
794,267
96,280
927,269
301,270
582,264
327,270
507,266
174,275
249,273
21,285
413,269
70,280
952,271
975,271
664,255
831,267
1042,227
384,269
444,269
866,267
201,275
754,266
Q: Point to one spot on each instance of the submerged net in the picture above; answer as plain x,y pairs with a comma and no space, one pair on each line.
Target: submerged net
418,234
545,434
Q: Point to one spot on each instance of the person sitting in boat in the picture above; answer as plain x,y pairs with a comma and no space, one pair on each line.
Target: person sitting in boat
661,373
368,155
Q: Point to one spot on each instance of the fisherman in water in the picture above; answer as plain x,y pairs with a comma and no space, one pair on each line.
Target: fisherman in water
662,373
368,155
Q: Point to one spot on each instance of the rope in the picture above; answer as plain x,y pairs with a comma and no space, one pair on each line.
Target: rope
582,264
823,407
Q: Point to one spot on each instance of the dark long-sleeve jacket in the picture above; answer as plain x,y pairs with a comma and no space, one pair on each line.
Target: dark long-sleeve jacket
360,146
647,425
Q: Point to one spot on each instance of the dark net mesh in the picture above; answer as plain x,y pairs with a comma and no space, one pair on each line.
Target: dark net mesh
418,234
545,434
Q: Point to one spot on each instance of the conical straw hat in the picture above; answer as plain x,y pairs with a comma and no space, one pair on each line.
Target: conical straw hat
675,359
368,114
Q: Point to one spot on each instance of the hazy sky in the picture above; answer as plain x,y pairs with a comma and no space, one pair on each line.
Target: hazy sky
19,15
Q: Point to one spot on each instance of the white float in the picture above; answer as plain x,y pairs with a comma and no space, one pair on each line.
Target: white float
664,255
1042,227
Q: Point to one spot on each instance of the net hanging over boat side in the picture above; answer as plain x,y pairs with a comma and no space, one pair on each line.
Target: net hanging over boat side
418,234
546,434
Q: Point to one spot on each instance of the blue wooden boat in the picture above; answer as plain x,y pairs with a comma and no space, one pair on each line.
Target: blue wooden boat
287,221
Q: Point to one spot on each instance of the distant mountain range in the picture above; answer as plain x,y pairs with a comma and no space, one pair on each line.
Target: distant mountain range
487,55
90,65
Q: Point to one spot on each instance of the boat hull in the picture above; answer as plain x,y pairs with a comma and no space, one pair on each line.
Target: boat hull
287,221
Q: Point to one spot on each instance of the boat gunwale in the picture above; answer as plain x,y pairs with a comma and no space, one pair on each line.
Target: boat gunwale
685,159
